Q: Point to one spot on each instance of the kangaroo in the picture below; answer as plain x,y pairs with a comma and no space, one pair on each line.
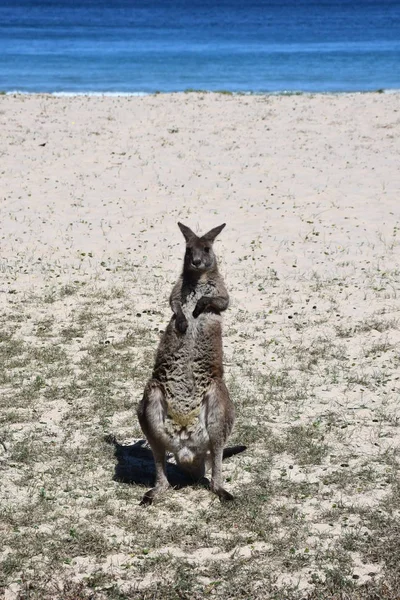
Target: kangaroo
186,408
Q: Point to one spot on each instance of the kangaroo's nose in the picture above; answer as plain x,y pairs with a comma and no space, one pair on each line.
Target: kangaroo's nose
196,262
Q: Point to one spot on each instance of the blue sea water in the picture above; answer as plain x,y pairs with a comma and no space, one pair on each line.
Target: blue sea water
138,46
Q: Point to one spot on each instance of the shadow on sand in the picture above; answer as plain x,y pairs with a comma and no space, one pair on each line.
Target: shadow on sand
135,464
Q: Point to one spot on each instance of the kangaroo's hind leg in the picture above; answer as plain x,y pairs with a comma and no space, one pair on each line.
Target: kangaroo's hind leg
151,414
220,417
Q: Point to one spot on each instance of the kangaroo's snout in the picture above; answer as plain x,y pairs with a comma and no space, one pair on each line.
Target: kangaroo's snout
196,262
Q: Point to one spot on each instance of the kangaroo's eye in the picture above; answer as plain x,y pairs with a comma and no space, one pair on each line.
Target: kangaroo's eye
206,249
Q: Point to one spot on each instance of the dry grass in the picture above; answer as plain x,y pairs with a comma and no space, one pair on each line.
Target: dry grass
317,495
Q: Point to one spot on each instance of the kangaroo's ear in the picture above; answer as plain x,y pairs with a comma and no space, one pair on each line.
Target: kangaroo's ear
212,234
187,233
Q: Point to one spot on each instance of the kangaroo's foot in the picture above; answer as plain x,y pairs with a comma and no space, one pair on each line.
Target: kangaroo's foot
225,496
222,493
149,496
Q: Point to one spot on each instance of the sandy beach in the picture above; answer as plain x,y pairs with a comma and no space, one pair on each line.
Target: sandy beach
91,192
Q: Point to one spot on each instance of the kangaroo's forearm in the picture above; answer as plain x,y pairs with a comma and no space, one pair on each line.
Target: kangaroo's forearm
211,304
181,323
175,300
176,306
218,303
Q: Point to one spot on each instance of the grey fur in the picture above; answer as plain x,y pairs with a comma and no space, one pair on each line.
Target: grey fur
186,407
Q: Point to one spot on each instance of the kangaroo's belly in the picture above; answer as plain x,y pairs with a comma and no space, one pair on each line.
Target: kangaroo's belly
188,441
191,367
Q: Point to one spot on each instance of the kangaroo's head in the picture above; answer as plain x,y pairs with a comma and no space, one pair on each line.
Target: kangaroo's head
199,255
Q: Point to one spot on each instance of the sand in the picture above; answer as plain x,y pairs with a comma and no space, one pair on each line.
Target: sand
90,174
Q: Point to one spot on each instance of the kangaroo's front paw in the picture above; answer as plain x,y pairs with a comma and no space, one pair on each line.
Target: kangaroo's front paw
199,308
181,324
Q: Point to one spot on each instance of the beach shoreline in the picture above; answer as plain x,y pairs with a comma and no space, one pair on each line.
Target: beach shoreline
223,92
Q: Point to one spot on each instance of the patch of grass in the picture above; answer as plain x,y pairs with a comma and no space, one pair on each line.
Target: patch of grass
68,290
306,443
44,327
373,323
194,91
71,333
301,488
379,347
320,349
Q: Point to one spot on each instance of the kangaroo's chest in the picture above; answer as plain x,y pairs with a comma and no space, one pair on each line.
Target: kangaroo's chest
191,295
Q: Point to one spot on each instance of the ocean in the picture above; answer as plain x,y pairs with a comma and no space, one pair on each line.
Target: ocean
128,46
